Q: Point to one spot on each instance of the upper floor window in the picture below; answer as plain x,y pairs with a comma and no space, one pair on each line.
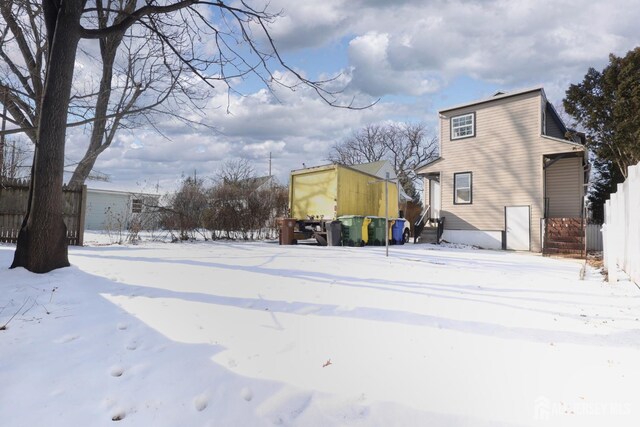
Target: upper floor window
462,188
463,126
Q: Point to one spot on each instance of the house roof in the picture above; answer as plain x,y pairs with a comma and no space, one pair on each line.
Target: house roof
370,168
497,96
430,162
255,182
421,168
120,192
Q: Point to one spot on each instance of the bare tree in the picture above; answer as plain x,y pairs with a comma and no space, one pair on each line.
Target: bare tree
23,52
186,209
15,158
238,45
245,209
405,145
364,146
137,79
235,171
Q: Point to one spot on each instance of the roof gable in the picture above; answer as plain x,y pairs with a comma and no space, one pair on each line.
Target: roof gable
498,96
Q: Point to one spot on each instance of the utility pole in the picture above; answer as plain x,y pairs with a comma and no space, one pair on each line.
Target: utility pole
12,168
4,125
386,181
386,213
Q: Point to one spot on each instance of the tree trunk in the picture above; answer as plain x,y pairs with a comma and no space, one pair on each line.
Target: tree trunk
99,141
42,242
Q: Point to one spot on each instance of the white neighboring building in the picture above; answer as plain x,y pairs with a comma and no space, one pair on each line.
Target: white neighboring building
115,209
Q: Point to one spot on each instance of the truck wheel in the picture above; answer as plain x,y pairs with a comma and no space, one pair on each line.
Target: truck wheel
405,237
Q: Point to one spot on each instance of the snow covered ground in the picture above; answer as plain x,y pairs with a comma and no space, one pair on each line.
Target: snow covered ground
256,334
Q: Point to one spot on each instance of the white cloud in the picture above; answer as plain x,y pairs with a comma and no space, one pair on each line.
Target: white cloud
374,74
303,24
396,45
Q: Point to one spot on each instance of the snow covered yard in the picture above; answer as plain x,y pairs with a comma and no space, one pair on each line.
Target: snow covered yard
256,334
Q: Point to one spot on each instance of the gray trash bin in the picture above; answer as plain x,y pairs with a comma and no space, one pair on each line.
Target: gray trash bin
334,233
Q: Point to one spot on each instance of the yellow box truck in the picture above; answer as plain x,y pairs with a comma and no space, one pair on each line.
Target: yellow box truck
319,195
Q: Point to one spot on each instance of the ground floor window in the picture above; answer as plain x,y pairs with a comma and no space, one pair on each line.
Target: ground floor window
462,188
136,206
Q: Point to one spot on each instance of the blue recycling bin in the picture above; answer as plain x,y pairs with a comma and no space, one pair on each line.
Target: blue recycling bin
396,231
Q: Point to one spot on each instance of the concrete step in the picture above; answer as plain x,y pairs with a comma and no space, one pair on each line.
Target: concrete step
568,239
565,245
429,231
428,235
571,253
565,235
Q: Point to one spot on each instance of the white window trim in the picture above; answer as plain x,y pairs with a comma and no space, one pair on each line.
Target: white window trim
136,205
473,126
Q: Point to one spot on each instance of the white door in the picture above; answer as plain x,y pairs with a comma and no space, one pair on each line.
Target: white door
517,221
434,195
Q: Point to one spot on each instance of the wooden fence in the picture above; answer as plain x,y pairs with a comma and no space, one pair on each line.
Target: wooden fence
621,228
14,195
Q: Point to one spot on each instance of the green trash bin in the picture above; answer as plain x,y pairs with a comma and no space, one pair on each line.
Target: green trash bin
351,230
376,231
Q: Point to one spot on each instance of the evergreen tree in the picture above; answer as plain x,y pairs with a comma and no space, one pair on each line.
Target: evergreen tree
606,104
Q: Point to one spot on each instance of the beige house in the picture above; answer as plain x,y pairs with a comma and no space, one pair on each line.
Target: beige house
508,172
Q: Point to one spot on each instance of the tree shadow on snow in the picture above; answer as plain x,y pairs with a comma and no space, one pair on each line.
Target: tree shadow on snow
435,291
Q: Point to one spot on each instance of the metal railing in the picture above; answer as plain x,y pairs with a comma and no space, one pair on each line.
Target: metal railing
420,221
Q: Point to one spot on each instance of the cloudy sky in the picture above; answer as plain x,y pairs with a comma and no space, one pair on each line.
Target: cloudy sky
415,56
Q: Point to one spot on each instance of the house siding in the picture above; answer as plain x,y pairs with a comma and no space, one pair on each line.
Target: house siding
494,156
564,188
105,210
506,159
554,128
113,209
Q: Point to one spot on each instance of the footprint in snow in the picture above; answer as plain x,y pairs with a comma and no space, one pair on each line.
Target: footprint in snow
66,339
246,394
122,326
132,345
116,371
200,402
118,415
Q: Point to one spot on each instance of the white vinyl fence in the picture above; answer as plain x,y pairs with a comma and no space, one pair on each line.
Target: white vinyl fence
621,228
